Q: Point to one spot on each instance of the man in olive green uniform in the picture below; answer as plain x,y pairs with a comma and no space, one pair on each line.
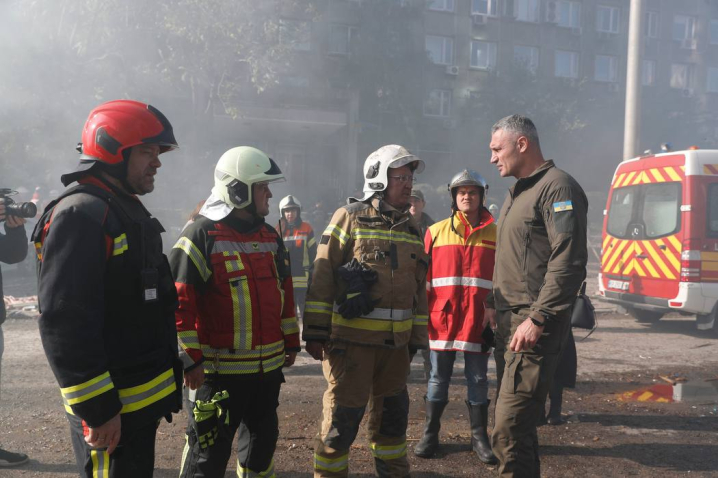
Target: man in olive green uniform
540,265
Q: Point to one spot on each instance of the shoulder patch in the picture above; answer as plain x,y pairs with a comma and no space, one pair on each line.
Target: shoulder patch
324,239
562,206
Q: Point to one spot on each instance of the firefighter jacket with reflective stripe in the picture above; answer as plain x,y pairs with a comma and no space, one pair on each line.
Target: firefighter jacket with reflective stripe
107,303
389,243
458,281
541,250
299,241
236,314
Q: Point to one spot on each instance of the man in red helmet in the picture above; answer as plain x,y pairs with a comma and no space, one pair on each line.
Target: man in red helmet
107,295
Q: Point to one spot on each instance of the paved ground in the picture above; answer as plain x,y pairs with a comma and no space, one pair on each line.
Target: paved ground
603,437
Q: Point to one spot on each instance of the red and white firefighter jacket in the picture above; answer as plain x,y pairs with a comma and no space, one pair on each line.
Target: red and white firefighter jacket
458,281
388,242
299,241
236,307
108,301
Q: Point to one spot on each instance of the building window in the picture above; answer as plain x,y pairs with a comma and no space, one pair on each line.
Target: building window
564,14
483,55
650,28
438,103
526,10
440,49
648,73
485,7
527,57
714,32
683,27
341,38
566,64
607,19
712,82
681,77
441,5
295,34
606,68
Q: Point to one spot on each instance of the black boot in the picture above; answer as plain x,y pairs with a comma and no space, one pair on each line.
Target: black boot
478,415
429,443
554,411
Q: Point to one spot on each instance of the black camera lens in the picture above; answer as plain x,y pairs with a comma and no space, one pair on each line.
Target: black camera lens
21,209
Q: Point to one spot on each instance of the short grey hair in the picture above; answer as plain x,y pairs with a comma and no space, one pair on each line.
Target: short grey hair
521,125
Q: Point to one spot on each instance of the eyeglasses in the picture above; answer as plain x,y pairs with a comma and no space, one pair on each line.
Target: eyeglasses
405,178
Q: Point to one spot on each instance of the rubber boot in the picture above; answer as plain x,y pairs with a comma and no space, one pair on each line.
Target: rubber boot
554,411
478,415
429,443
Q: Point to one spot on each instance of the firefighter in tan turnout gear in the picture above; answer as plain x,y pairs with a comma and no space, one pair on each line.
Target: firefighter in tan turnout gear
366,313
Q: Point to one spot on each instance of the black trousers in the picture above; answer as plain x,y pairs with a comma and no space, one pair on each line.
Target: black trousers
253,411
135,457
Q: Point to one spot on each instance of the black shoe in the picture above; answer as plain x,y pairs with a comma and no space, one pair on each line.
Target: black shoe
9,459
557,420
429,443
478,416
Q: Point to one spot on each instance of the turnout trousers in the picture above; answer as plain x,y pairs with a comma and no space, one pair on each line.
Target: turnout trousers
358,376
135,456
524,379
253,406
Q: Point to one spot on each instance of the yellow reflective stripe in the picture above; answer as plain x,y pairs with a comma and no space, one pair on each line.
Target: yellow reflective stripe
331,464
318,307
337,232
120,245
373,324
184,454
188,339
141,396
184,244
242,368
311,242
233,265
100,463
421,320
38,250
388,452
87,390
247,473
386,235
290,326
263,351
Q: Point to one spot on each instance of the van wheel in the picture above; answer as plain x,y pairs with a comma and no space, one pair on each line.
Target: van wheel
645,316
708,323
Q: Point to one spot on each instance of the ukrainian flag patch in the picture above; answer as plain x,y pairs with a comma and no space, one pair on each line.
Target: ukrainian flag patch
562,206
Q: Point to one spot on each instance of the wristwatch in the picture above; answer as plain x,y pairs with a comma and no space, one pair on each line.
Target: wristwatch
537,323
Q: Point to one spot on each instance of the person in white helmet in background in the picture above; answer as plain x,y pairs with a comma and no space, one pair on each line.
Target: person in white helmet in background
236,321
302,246
366,315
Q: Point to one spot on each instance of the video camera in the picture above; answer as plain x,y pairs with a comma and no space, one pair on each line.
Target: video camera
20,209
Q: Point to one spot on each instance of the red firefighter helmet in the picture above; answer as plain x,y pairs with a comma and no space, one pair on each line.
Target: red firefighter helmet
115,126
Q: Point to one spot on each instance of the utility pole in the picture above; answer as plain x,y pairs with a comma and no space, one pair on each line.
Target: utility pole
632,123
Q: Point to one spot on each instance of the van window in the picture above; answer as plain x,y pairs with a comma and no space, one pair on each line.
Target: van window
621,210
713,210
655,206
661,209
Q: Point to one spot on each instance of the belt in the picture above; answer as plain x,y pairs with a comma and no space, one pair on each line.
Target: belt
385,314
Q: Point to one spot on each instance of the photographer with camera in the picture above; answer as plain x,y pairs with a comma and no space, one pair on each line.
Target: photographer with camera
13,249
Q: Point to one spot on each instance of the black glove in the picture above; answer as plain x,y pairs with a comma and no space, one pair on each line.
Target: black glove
356,301
488,336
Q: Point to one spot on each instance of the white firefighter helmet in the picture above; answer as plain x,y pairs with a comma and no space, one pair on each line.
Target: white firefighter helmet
289,202
240,168
467,177
376,167
494,210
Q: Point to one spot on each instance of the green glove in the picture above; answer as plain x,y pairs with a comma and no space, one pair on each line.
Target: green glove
209,416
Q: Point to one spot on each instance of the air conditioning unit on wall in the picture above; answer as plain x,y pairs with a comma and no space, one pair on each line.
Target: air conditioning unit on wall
478,20
452,70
